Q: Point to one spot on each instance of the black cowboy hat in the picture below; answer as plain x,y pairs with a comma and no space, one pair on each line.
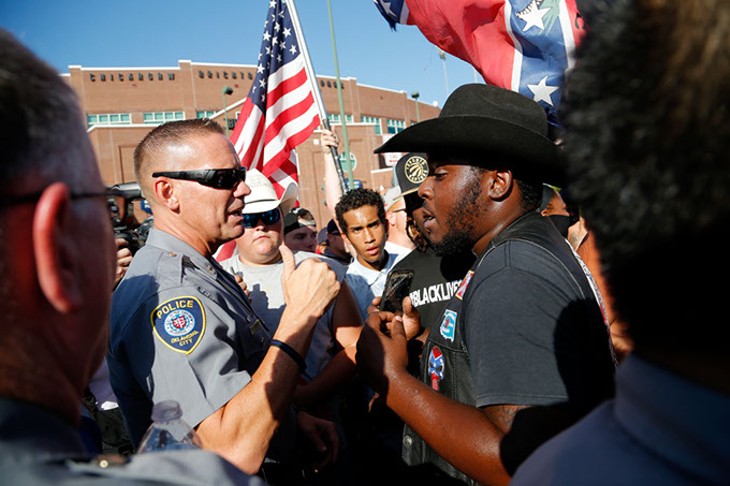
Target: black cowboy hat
478,118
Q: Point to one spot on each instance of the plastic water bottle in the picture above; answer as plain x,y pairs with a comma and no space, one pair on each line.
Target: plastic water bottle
168,430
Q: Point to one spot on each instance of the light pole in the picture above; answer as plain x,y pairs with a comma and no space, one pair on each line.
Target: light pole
227,90
343,117
442,56
415,95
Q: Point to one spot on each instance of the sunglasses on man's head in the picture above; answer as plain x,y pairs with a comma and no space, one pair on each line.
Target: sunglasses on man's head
217,178
268,217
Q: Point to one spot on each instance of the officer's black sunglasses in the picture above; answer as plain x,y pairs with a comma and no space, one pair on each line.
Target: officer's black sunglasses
217,178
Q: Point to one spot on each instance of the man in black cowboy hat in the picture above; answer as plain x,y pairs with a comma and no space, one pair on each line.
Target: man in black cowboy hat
521,350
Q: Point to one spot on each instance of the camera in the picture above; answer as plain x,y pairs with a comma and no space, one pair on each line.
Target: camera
120,202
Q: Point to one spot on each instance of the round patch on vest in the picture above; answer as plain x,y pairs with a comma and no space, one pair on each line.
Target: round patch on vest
179,323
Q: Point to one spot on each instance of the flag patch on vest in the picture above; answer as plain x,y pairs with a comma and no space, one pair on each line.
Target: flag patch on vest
448,325
464,284
436,367
179,323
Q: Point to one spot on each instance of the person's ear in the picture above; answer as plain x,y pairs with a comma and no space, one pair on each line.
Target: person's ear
500,185
345,239
165,193
390,218
54,244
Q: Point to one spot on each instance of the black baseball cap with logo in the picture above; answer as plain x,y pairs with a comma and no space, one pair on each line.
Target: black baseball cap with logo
410,171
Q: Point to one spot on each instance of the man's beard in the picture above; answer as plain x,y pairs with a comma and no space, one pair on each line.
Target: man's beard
459,238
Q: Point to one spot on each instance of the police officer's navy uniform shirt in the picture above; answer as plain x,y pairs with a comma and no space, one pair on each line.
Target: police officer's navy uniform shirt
181,329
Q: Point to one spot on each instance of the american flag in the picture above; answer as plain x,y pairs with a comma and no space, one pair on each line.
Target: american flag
522,45
280,111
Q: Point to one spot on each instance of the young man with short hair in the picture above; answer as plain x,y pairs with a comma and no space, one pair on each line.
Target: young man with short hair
361,216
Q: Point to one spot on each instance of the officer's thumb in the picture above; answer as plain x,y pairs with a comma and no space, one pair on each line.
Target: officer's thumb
288,258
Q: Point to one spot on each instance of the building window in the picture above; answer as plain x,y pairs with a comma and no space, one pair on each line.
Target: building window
375,121
140,76
233,75
171,76
159,76
150,76
204,113
250,76
102,77
121,77
92,77
109,119
160,117
395,126
334,118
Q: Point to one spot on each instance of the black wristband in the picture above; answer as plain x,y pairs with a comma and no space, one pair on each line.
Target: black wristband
291,352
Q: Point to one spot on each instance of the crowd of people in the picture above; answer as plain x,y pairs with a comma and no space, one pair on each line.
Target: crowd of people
545,337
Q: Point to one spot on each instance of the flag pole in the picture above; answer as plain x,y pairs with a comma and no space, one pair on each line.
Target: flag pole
315,87
343,117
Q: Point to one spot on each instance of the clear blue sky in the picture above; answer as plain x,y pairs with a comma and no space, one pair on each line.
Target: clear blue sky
127,33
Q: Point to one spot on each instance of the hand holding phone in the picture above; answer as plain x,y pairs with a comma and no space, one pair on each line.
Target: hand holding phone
397,287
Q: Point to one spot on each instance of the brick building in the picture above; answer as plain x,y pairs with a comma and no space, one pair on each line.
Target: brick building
123,104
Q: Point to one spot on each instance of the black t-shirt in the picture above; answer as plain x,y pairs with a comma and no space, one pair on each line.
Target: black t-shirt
523,328
435,280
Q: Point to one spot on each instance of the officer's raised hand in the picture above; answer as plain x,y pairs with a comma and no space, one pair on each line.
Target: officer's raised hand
309,289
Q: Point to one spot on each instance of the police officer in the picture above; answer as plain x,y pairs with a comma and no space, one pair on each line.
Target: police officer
183,329
57,260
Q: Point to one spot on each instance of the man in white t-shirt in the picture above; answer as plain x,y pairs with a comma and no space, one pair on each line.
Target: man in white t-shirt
331,357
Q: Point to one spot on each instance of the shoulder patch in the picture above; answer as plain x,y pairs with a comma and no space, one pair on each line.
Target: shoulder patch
448,325
179,323
464,284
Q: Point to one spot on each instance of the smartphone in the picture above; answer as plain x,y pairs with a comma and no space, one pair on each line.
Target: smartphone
397,287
